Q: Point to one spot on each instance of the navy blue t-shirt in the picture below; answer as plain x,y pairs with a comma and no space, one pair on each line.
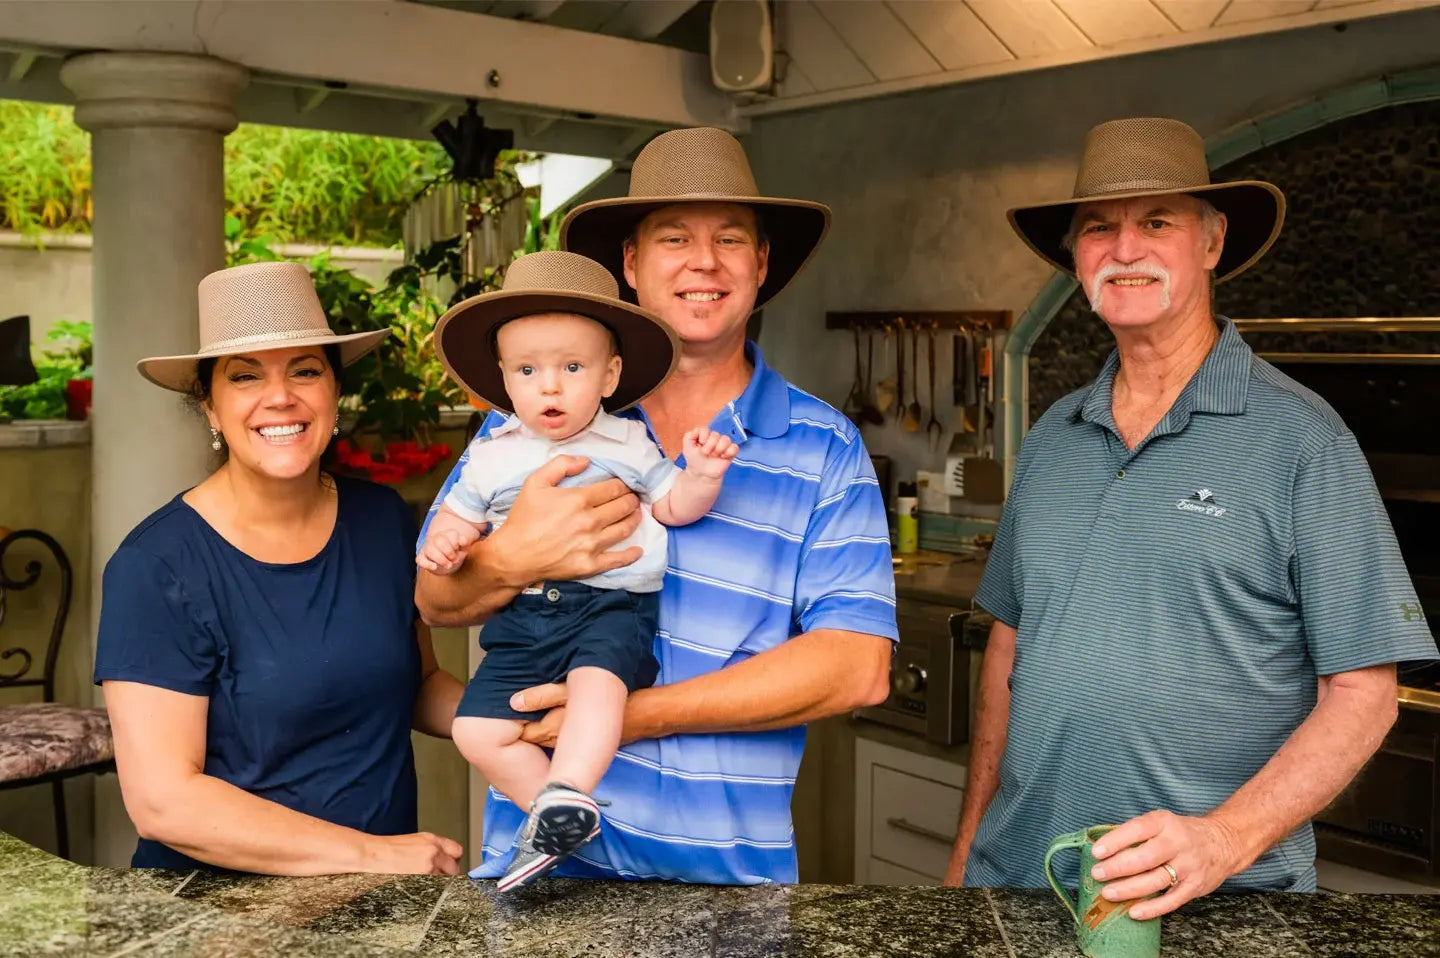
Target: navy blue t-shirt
311,667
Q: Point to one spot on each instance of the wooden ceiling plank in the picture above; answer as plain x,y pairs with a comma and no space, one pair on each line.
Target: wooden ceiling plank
1243,11
646,19
881,41
1192,14
1115,21
1030,27
951,32
821,53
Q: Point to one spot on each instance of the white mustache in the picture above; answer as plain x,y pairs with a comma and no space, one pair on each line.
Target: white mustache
1108,272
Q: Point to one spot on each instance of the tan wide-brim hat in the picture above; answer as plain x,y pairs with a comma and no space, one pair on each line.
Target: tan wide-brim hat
249,309
1149,156
698,165
555,282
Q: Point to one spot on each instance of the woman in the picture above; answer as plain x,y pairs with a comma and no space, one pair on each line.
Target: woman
259,649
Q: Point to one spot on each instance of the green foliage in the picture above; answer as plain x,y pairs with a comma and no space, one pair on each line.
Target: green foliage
542,234
44,169
293,185
45,398
328,188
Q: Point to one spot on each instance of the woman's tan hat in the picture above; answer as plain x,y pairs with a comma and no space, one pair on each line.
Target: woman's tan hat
555,282
1149,156
249,309
698,165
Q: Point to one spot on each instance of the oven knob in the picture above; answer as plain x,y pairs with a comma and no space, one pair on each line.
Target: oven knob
909,680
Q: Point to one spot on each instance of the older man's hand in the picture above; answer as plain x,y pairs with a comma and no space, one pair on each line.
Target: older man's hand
545,731
1132,859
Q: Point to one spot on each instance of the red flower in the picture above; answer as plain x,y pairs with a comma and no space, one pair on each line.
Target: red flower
400,460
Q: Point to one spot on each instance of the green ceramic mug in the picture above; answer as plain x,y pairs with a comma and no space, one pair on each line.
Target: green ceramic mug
1103,928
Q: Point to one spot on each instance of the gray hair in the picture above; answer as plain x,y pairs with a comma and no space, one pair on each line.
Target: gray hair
1209,218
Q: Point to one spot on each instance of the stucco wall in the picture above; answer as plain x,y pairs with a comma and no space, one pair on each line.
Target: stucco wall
51,280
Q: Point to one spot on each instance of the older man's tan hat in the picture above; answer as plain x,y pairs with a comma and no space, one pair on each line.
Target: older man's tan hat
699,165
249,309
1155,157
555,282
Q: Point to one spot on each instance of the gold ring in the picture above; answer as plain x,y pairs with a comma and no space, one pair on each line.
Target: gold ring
1170,870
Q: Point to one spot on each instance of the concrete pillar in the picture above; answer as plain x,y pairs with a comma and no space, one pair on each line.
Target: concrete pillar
158,122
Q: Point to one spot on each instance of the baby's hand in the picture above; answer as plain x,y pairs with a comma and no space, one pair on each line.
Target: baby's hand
445,549
707,454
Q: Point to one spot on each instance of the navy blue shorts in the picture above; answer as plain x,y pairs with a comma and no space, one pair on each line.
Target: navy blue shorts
539,638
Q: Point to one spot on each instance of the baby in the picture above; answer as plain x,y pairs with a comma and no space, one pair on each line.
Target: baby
557,367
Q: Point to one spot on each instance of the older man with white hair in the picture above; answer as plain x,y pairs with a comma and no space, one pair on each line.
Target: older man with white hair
1198,597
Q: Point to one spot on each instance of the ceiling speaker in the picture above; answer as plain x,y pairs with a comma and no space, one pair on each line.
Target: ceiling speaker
742,46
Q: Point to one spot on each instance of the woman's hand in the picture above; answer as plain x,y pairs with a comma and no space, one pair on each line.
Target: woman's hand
420,853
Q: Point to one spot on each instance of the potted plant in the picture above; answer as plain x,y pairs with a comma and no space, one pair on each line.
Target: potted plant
62,387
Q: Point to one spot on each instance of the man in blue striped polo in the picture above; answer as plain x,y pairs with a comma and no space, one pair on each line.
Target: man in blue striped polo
1198,596
777,608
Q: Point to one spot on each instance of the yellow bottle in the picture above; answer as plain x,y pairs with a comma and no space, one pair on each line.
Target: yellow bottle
907,519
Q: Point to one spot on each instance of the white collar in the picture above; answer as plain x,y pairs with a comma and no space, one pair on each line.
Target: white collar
603,425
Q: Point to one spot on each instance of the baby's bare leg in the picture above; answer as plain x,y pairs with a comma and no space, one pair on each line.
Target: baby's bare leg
492,745
590,735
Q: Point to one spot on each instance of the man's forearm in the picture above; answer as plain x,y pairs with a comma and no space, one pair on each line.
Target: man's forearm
987,742
469,596
1321,757
811,676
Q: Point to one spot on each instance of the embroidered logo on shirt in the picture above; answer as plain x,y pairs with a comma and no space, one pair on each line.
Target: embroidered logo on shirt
1202,501
1412,612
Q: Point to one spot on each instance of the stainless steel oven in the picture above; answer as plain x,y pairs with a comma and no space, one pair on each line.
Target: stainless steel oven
1383,377
930,674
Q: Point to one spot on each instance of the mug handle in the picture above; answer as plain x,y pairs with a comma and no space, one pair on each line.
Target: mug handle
1075,840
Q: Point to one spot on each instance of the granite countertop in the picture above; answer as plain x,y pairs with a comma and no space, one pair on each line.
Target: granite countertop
49,906
940,577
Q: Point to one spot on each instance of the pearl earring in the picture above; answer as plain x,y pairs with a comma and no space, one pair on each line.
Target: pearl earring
214,439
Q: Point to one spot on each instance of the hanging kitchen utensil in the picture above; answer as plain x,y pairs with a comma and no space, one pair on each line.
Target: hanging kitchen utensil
913,411
984,476
900,400
856,400
933,429
885,388
868,411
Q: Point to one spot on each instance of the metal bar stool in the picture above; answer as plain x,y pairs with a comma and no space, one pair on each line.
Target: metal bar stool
45,741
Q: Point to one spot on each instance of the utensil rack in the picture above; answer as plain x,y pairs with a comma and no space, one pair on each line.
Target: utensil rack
989,319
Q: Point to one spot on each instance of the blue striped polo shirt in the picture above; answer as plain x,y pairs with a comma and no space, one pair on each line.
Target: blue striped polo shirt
796,542
1174,604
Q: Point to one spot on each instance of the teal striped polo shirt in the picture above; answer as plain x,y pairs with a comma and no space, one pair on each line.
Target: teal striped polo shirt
1174,604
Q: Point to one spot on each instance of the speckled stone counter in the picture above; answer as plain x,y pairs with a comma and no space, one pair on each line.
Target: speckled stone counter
939,577
48,907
